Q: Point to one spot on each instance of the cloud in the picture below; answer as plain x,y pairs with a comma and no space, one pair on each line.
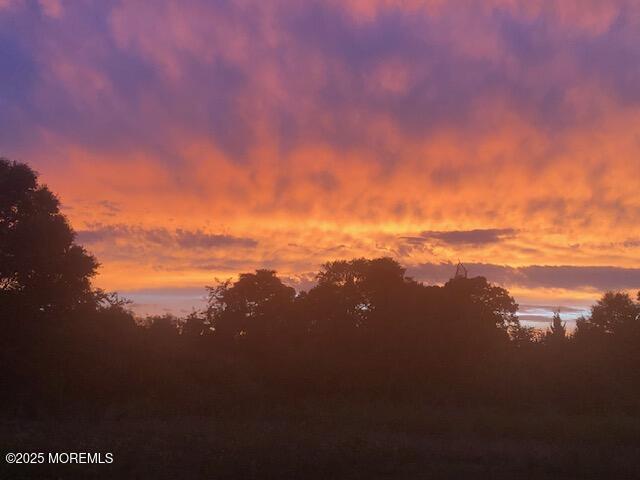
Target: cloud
157,301
569,277
550,308
51,8
465,237
194,239
301,282
199,239
599,278
325,180
534,318
311,71
536,314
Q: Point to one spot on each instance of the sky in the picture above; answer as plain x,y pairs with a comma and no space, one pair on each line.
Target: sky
194,140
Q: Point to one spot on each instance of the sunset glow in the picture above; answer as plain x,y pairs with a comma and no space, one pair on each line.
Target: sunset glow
191,141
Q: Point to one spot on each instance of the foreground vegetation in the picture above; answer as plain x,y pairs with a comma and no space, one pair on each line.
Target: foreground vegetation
333,438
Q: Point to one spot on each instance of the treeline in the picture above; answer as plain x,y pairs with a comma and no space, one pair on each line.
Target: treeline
364,329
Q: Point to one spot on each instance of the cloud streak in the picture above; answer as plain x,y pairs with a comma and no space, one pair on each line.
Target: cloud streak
600,278
465,237
187,239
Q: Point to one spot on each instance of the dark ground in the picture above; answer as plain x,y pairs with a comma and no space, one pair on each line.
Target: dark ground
332,439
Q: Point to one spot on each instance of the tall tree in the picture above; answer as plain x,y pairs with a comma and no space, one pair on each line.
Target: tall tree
359,294
42,271
558,330
614,313
477,300
256,305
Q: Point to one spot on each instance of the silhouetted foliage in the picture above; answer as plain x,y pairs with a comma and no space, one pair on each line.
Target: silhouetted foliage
496,306
356,295
615,313
42,271
522,336
163,325
255,306
195,325
556,334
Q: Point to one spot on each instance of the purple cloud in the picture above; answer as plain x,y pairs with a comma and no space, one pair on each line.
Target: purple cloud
600,278
464,237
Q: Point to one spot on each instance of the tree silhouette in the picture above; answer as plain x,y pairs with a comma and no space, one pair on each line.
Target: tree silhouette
557,332
358,294
614,313
42,271
479,301
256,305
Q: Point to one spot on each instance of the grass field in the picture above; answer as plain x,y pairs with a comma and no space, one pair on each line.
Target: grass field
332,439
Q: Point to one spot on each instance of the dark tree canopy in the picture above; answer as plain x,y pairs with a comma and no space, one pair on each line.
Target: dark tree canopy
256,305
366,302
614,314
487,303
356,294
42,270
